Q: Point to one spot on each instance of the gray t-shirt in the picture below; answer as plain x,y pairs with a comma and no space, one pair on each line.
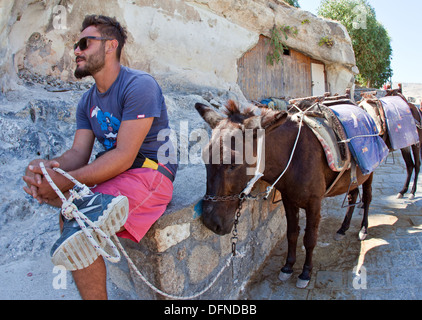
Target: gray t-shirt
134,95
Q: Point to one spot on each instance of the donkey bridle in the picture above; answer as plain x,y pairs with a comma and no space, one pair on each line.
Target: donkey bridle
245,194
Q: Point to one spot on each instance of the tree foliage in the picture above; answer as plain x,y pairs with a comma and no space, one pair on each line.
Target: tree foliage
371,42
294,3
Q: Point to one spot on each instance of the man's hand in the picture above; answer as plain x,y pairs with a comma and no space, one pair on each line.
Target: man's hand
74,158
37,186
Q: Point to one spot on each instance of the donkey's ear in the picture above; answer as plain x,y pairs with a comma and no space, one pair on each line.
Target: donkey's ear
209,115
252,123
273,119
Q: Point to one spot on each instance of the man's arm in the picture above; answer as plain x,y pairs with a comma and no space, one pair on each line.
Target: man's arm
130,137
80,152
129,140
72,159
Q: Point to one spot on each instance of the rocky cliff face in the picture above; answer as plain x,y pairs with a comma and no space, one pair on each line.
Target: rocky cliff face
183,43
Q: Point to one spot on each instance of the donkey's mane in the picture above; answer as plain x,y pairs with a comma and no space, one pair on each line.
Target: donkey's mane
233,110
235,114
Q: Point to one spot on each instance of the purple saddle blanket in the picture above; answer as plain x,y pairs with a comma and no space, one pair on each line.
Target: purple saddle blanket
366,146
400,122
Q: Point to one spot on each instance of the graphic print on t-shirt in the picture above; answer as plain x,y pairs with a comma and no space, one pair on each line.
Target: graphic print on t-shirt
109,126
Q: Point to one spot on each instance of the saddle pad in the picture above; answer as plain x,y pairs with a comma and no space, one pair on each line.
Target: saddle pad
400,122
327,138
372,108
366,146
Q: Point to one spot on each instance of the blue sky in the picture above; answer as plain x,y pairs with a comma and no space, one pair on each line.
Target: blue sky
403,21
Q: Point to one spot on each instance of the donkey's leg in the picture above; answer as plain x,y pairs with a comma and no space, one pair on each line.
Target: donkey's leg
313,217
292,215
416,149
366,199
341,233
409,168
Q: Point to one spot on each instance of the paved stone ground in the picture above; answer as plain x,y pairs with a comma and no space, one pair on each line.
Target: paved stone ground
386,266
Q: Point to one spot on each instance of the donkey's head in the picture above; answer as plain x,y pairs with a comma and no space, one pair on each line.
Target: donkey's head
231,159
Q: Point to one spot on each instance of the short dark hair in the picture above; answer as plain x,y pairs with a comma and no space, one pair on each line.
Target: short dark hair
108,27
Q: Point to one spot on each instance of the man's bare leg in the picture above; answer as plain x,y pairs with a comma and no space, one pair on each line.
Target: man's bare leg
92,281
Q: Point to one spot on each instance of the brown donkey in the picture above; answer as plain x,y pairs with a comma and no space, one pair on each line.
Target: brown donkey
303,185
373,105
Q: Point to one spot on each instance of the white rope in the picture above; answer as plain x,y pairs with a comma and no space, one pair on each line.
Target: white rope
258,170
362,136
70,211
301,114
132,264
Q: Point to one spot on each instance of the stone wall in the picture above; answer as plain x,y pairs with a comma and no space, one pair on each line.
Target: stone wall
180,256
185,44
360,90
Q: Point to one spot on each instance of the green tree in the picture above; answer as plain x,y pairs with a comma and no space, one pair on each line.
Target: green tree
371,42
294,3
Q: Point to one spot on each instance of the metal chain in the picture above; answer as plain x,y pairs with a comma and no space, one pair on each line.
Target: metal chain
234,197
221,198
237,215
236,222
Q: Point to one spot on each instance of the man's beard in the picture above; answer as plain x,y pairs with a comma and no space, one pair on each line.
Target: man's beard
93,64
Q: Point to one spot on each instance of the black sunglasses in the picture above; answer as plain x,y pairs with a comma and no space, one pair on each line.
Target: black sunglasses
83,43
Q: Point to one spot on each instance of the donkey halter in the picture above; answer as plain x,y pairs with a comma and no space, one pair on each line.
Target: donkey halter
246,193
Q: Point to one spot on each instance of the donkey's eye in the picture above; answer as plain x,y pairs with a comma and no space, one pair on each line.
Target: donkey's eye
233,167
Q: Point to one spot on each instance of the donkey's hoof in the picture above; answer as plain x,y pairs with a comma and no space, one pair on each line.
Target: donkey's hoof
302,284
284,276
411,197
399,196
339,236
363,233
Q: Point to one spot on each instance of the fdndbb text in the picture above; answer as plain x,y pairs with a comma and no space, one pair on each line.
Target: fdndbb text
211,309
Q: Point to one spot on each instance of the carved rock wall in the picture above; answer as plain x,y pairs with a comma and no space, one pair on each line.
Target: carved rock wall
185,44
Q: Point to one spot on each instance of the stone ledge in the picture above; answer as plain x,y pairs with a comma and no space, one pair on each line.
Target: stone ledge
180,256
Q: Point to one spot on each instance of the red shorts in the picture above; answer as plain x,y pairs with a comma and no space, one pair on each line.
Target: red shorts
149,192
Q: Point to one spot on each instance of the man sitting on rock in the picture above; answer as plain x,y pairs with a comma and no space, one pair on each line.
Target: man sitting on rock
124,110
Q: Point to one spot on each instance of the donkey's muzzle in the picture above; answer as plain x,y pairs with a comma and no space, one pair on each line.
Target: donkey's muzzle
216,219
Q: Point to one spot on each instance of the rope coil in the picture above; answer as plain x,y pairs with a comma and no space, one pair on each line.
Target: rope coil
70,211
